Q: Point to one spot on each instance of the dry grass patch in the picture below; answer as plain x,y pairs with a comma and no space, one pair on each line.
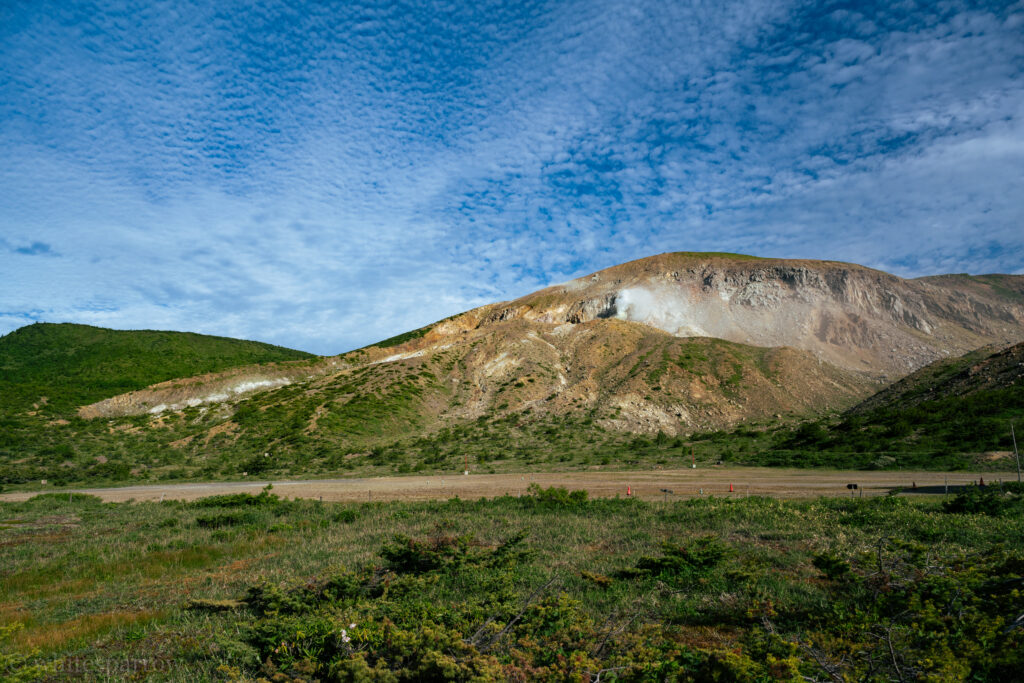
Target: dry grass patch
53,636
181,443
709,637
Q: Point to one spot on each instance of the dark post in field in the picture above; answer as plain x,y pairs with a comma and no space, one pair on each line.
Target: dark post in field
1015,453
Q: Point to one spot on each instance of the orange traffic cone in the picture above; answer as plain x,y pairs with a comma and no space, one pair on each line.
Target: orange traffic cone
730,488
629,490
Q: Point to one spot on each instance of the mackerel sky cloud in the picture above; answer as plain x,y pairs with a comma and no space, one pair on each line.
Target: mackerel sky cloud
323,175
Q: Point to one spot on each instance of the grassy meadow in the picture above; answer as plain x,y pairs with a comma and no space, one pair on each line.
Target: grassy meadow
547,586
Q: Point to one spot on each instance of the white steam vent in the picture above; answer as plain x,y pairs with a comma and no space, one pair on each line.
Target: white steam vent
668,310
258,384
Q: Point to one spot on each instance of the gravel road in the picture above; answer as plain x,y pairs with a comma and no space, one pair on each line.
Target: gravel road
775,482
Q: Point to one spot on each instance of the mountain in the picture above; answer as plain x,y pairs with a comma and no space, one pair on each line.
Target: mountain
620,365
861,320
982,370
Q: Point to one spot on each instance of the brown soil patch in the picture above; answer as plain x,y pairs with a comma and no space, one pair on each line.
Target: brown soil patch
181,443
126,428
53,538
707,637
161,422
42,522
997,455
228,428
317,414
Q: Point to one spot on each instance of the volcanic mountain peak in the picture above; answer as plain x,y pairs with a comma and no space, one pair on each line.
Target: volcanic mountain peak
669,346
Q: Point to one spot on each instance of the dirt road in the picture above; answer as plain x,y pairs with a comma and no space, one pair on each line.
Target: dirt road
685,483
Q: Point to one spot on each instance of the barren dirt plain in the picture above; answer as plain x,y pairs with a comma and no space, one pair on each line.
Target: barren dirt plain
648,485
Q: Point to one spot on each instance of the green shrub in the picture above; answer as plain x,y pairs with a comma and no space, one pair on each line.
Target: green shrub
986,500
555,498
696,558
265,499
345,516
227,519
405,554
445,552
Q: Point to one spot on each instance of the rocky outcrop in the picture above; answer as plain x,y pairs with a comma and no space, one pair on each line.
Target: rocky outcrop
592,309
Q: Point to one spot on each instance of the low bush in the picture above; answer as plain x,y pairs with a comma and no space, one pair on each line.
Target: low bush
689,561
228,519
555,498
987,500
265,499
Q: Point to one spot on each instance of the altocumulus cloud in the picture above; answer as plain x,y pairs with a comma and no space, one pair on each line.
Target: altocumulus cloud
323,175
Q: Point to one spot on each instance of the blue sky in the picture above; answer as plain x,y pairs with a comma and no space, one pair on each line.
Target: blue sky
323,175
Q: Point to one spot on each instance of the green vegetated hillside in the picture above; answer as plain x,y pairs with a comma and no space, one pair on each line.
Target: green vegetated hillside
953,413
549,586
62,366
48,370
